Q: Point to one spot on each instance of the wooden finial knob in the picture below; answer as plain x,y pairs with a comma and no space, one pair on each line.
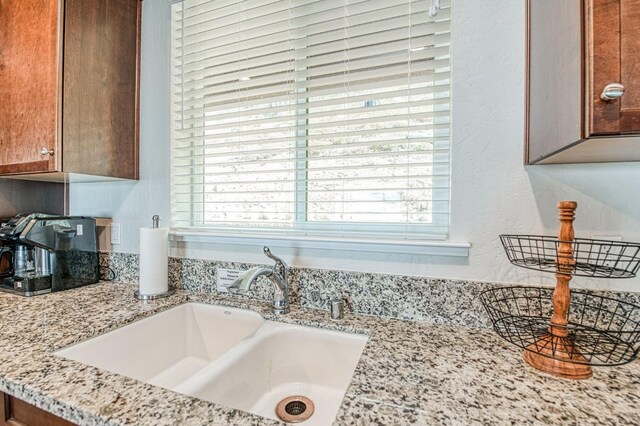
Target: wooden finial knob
567,205
567,210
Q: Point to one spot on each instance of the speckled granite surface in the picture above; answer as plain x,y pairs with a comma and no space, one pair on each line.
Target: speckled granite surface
409,373
413,298
438,301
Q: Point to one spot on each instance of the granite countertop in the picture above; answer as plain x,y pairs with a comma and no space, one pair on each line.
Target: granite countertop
409,373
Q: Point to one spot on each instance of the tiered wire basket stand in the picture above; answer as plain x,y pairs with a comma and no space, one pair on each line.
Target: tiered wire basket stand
565,332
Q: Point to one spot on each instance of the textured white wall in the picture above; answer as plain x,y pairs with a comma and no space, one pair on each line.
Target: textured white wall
492,192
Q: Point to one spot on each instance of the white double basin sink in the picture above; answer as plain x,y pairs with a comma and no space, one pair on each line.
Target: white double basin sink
230,356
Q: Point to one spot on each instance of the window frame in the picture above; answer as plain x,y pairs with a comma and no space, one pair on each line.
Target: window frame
323,236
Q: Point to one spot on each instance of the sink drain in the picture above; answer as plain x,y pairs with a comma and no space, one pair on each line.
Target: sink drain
295,409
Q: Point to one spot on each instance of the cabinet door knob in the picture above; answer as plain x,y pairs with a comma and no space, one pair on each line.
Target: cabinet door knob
612,92
46,151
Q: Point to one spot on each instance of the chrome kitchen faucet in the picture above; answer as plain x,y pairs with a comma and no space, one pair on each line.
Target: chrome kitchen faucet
278,276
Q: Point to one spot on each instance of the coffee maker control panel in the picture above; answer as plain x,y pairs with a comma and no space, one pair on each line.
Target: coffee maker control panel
11,229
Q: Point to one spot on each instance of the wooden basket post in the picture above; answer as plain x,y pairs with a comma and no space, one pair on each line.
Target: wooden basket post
554,352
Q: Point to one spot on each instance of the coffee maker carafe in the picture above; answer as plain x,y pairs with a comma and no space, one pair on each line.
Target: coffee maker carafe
44,253
24,260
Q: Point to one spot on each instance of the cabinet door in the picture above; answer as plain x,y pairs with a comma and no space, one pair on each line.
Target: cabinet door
14,412
554,94
101,69
614,54
29,82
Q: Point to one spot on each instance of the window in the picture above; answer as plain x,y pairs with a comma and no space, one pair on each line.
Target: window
325,117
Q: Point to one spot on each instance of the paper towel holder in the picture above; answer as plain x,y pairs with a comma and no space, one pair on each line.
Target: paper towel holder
154,296
146,297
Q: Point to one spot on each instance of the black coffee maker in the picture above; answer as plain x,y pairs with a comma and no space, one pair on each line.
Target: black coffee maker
42,253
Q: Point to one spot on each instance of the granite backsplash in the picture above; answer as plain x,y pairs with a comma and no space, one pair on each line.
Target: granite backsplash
433,300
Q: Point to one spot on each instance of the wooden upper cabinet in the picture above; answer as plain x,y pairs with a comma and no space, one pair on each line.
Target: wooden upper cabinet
613,57
576,49
69,84
100,103
29,84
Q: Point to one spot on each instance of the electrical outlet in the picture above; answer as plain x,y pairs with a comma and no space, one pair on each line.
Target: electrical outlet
115,234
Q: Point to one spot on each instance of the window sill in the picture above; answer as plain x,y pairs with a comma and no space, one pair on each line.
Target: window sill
420,247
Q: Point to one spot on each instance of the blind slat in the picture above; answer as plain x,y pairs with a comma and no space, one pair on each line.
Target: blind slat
259,145
374,168
269,105
231,100
190,192
234,48
337,134
341,134
437,142
316,65
333,118
385,101
341,77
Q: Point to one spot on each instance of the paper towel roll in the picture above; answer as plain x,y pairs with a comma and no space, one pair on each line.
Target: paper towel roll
154,260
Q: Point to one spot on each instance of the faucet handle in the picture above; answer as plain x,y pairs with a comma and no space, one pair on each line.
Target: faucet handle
268,253
280,265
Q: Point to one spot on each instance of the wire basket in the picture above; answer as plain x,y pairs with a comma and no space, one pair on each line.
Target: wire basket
590,258
603,331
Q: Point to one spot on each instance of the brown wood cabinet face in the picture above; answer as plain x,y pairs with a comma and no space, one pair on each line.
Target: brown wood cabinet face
69,82
19,196
15,412
613,46
101,62
630,65
29,80
575,48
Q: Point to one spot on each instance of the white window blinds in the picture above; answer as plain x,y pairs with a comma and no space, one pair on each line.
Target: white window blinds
326,117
